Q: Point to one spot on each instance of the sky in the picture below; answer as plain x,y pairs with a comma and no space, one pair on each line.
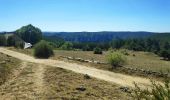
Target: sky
86,15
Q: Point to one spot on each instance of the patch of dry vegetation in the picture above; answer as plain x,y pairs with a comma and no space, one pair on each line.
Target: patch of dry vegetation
45,82
8,65
23,87
63,84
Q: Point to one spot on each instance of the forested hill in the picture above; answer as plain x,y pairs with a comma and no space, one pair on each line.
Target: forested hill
161,36
97,36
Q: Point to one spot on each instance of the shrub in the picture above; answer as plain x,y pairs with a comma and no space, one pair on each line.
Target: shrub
43,50
157,92
67,46
116,59
97,50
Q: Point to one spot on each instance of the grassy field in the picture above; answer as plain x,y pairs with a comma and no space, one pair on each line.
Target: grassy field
63,85
142,60
7,67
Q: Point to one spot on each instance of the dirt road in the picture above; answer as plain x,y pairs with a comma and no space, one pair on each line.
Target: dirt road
120,79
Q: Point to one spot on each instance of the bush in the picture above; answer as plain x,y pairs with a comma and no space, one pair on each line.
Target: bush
157,92
116,59
97,50
43,50
67,46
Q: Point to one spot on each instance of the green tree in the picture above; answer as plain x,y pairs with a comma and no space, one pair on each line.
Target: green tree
166,46
165,54
43,50
11,41
118,43
2,40
29,34
15,41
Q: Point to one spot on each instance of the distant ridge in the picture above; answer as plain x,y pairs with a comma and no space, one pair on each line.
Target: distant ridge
103,36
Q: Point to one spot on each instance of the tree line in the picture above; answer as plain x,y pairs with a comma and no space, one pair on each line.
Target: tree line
161,48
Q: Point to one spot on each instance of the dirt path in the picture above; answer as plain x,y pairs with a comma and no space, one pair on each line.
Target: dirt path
39,75
124,80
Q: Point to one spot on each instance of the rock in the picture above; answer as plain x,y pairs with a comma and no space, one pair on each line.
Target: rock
96,62
81,88
154,73
168,75
103,63
86,60
7,60
124,89
79,59
3,62
142,70
148,72
86,76
90,61
8,56
165,74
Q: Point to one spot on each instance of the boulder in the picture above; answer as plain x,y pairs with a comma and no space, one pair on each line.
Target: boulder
86,76
81,88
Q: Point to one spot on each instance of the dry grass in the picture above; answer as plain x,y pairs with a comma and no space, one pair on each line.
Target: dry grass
62,84
142,60
57,84
148,61
7,67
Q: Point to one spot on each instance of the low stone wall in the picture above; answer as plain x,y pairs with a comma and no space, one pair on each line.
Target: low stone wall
149,72
83,60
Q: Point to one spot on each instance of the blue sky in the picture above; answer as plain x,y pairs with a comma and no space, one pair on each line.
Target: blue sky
86,15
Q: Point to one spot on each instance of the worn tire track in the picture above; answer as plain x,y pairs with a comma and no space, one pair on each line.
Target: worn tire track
27,85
